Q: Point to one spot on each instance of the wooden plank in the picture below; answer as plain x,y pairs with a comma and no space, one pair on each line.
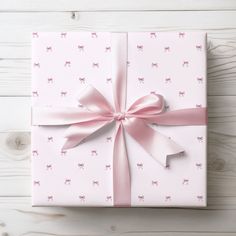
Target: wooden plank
15,76
221,45
221,42
15,165
15,40
113,5
18,218
15,148
19,22
15,114
214,203
16,28
221,112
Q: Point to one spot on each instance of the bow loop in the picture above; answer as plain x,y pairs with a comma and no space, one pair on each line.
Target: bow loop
146,106
94,101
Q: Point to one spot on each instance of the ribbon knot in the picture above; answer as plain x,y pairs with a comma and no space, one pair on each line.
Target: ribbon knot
144,111
119,116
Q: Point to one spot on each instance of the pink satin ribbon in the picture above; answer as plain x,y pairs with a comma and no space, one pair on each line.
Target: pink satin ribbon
134,120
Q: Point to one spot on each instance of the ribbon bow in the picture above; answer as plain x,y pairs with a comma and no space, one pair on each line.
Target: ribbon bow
135,121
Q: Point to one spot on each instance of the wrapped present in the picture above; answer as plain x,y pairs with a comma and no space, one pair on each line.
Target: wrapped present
119,119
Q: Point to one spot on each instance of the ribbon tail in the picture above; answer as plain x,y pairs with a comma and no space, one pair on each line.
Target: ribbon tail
121,171
77,133
156,144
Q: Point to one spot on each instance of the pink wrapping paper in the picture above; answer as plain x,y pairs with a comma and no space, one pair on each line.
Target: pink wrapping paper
172,64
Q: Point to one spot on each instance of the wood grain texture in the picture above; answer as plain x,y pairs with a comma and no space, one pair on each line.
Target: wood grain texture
113,5
19,18
16,29
109,221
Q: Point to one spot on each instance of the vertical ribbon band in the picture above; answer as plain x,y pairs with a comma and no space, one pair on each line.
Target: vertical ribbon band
121,170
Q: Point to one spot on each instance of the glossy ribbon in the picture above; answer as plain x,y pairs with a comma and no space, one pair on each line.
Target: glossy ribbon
134,120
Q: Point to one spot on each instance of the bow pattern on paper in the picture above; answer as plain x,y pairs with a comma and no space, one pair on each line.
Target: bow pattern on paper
135,121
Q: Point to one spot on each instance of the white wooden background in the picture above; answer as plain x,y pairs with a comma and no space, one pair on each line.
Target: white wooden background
18,18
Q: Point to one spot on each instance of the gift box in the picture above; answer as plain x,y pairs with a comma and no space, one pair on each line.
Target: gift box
119,119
